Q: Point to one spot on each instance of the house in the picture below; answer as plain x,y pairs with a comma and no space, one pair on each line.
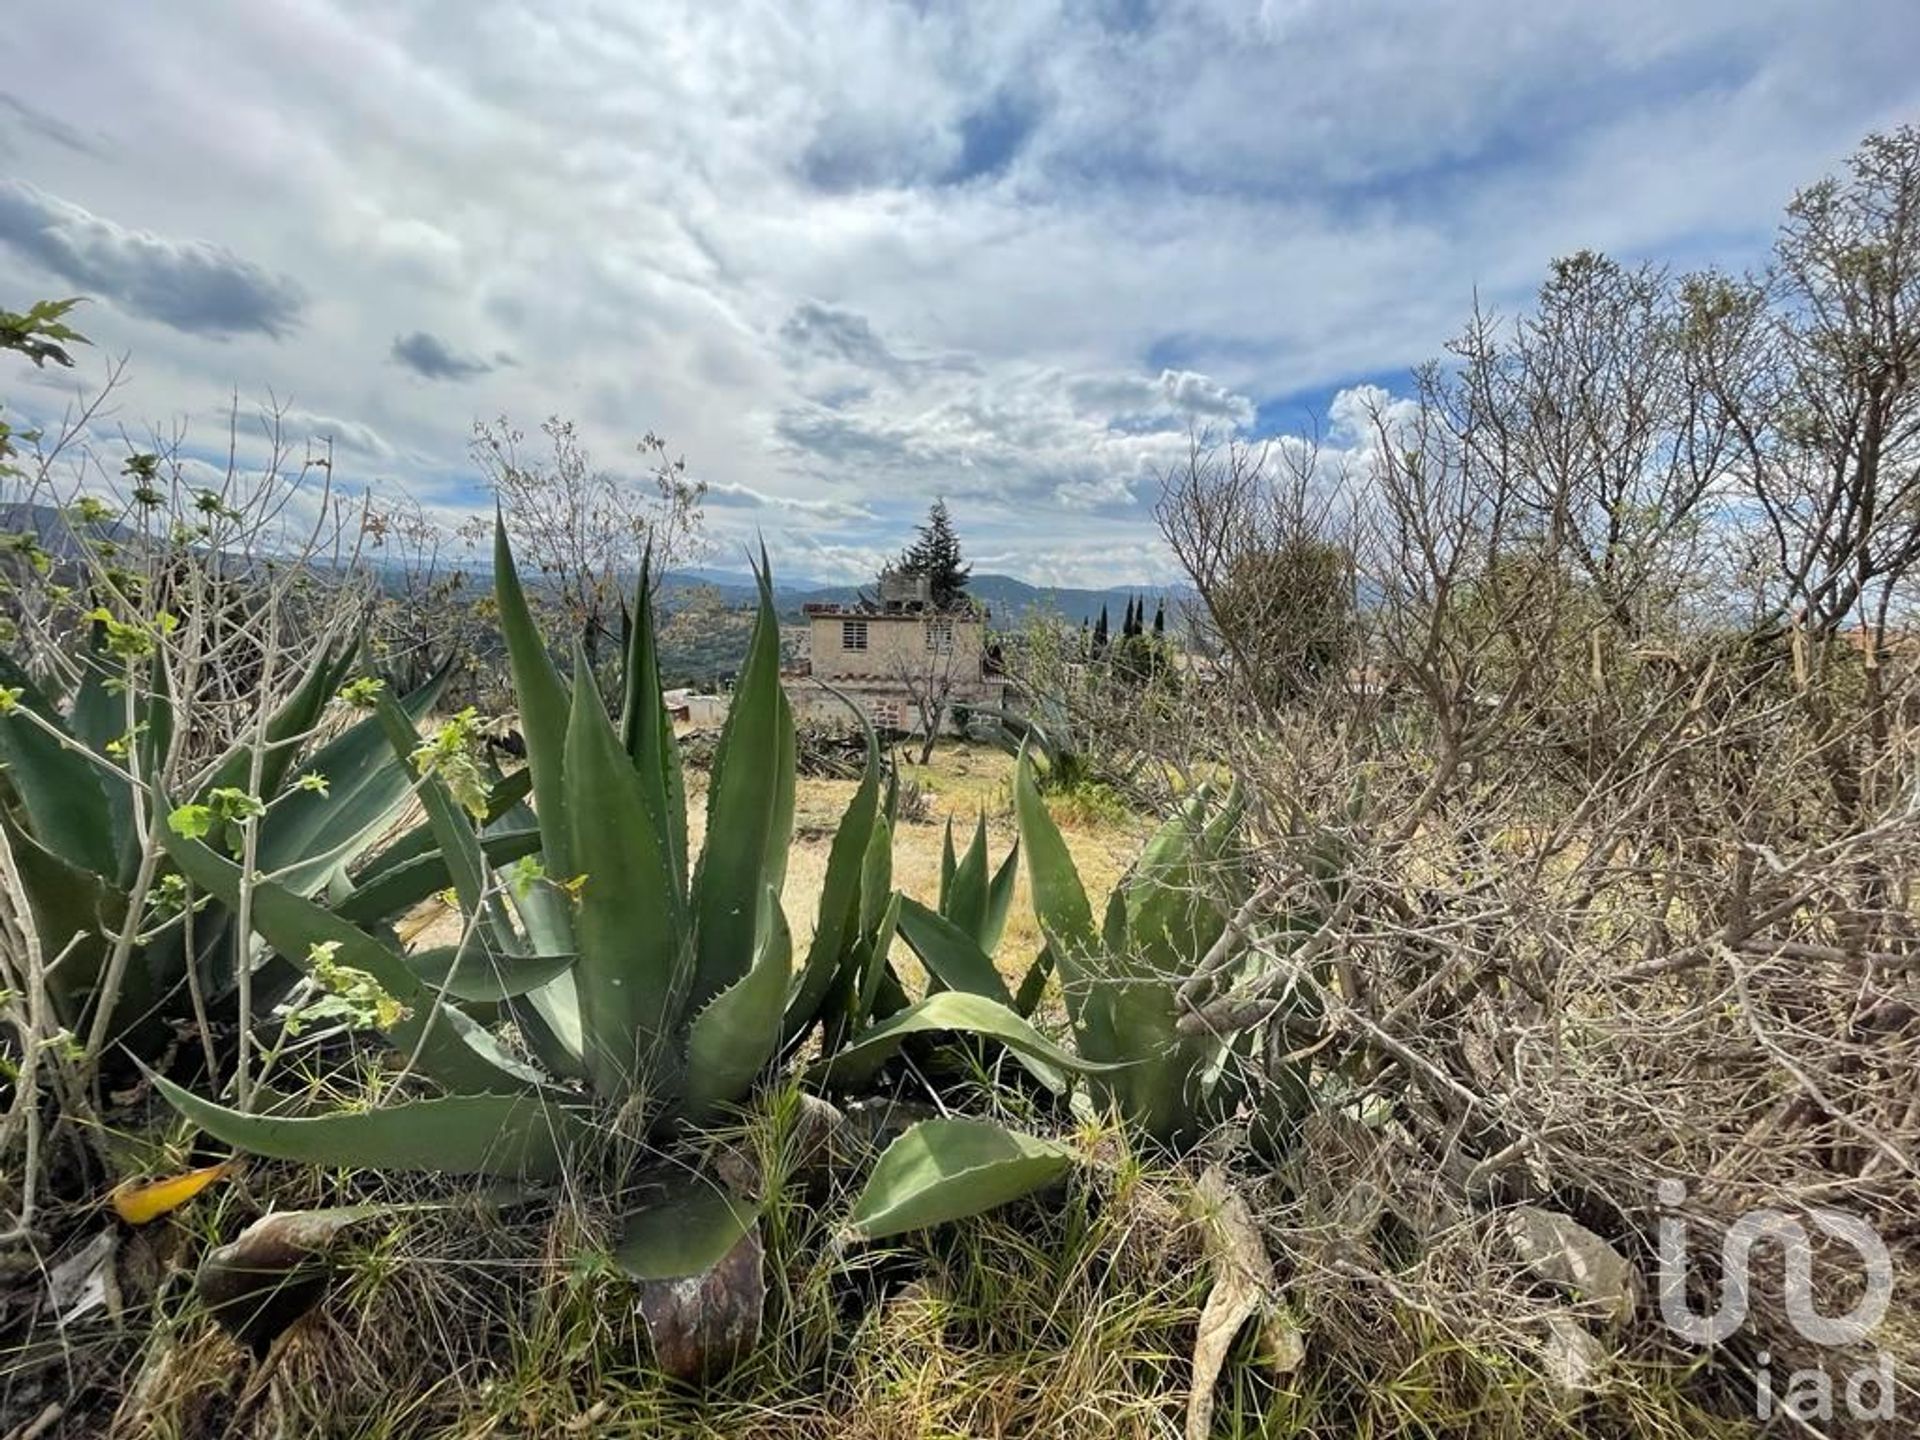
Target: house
897,657
691,712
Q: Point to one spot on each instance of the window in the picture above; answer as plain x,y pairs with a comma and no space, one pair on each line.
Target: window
853,634
940,636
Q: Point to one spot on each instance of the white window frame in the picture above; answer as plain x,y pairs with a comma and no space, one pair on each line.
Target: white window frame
939,635
853,635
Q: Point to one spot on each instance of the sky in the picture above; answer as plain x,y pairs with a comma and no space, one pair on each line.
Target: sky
848,255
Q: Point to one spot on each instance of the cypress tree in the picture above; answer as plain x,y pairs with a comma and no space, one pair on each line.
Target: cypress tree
1160,619
1100,634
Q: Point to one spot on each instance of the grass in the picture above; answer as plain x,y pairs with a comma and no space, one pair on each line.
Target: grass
1071,1315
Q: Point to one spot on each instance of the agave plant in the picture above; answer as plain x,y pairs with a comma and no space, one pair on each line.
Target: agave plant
1121,983
642,981
112,916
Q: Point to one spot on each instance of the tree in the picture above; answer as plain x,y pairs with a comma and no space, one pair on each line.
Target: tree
585,529
936,555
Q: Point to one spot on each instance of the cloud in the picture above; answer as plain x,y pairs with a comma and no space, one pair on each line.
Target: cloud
837,334
732,494
193,285
15,113
1005,251
429,356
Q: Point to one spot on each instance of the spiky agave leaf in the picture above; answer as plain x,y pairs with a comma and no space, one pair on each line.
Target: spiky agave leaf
950,1169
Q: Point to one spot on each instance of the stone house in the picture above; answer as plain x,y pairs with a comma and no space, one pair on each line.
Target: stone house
895,656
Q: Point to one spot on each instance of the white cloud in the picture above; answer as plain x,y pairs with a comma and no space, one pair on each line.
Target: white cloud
851,259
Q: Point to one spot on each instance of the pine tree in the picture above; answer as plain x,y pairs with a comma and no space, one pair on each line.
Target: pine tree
936,555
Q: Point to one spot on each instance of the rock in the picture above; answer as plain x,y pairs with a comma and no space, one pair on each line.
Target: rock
1575,1360
1564,1252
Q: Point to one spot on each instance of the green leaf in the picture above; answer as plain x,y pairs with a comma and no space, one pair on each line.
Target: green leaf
450,1047
397,888
74,911
948,1169
1059,900
688,1230
60,789
749,811
543,705
646,731
949,953
1066,920
950,1011
1000,900
307,838
474,974
948,865
627,929
840,893
459,846
513,1136
964,901
733,1038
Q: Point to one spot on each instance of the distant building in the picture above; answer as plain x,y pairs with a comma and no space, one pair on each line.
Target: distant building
691,712
887,653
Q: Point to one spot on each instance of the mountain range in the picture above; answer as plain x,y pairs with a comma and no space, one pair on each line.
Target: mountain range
1011,602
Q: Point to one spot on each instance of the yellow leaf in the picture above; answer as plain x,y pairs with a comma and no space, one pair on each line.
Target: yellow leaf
138,1202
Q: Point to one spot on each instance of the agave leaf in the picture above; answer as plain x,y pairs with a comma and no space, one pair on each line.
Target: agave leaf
697,1253
473,974
964,902
295,718
513,1136
646,732
733,1038
627,929
449,1046
1034,983
686,1231
398,888
1066,920
749,811
950,1011
459,847
948,866
1000,900
307,836
543,705
949,953
949,1169
879,988
73,910
59,787
840,892
504,798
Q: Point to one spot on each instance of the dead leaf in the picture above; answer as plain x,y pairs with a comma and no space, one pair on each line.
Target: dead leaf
139,1202
78,1285
1244,1286
273,1272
